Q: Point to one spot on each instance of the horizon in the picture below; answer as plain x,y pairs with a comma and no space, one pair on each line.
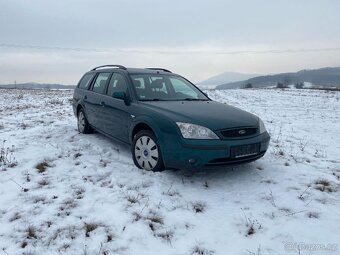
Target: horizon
256,75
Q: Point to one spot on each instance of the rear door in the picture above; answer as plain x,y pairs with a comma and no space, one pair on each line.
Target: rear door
94,99
116,113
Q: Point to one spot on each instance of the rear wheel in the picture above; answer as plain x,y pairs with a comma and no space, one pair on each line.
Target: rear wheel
83,125
146,151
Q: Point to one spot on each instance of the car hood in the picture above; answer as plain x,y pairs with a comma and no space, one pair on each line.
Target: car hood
210,114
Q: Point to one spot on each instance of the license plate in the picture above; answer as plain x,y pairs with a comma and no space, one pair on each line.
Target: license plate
244,150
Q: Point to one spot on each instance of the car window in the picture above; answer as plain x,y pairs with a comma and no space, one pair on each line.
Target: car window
165,87
117,84
99,84
183,88
85,81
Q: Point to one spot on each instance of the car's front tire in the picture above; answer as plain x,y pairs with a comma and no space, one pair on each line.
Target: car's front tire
146,151
83,125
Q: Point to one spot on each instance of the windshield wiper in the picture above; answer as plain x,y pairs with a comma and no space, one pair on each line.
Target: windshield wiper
194,99
154,99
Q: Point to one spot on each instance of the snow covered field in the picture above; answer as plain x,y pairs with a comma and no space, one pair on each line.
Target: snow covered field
62,192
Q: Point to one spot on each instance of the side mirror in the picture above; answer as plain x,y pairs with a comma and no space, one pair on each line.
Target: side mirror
121,95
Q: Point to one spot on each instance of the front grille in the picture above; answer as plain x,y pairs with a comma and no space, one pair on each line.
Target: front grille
238,132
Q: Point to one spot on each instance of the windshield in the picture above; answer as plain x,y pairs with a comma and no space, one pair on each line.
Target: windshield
157,87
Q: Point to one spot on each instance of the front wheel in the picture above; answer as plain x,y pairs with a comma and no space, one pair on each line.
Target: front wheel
146,152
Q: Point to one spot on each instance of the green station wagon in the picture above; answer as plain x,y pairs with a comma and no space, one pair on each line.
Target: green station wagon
168,122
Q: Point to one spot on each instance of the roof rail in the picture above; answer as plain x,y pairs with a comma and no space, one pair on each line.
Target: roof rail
118,66
162,69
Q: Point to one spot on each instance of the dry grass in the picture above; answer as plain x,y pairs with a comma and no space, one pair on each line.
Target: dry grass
89,227
42,166
15,217
313,215
323,185
198,250
155,218
198,206
31,233
166,236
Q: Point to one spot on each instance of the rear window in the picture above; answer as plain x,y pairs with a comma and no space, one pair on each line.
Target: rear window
85,81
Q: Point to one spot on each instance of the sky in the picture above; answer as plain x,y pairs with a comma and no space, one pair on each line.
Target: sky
58,41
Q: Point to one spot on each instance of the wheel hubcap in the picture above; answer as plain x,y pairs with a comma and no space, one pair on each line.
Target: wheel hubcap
81,122
146,152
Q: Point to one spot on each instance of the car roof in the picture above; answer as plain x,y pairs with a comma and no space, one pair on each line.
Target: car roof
112,68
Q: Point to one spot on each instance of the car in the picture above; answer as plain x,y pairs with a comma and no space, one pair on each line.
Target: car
168,122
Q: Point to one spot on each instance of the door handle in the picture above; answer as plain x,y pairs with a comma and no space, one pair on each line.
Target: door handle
85,97
102,103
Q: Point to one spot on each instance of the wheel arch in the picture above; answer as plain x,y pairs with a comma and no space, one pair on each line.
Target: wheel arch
79,106
141,126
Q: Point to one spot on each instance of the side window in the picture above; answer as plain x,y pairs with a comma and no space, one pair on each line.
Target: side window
85,81
100,83
117,84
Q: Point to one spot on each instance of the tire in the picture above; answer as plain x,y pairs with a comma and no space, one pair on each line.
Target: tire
146,152
83,125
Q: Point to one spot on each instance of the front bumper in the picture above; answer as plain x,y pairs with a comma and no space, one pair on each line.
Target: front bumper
197,154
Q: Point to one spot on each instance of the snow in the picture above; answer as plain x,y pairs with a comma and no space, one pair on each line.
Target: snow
89,198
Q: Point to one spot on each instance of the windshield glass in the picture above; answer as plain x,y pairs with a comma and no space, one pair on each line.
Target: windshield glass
157,87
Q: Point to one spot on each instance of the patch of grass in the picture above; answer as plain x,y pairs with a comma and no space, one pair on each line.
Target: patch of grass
136,216
89,227
55,101
166,236
155,218
6,157
15,217
252,227
68,204
132,198
42,166
313,215
38,199
285,210
31,233
198,250
323,185
24,125
79,193
172,193
323,182
198,206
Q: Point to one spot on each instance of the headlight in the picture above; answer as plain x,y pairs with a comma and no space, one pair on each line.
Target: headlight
193,131
262,127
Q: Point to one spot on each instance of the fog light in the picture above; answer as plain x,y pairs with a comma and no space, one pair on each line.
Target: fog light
192,161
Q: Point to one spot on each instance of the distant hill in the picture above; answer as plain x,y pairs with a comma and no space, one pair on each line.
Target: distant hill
226,77
32,85
324,77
